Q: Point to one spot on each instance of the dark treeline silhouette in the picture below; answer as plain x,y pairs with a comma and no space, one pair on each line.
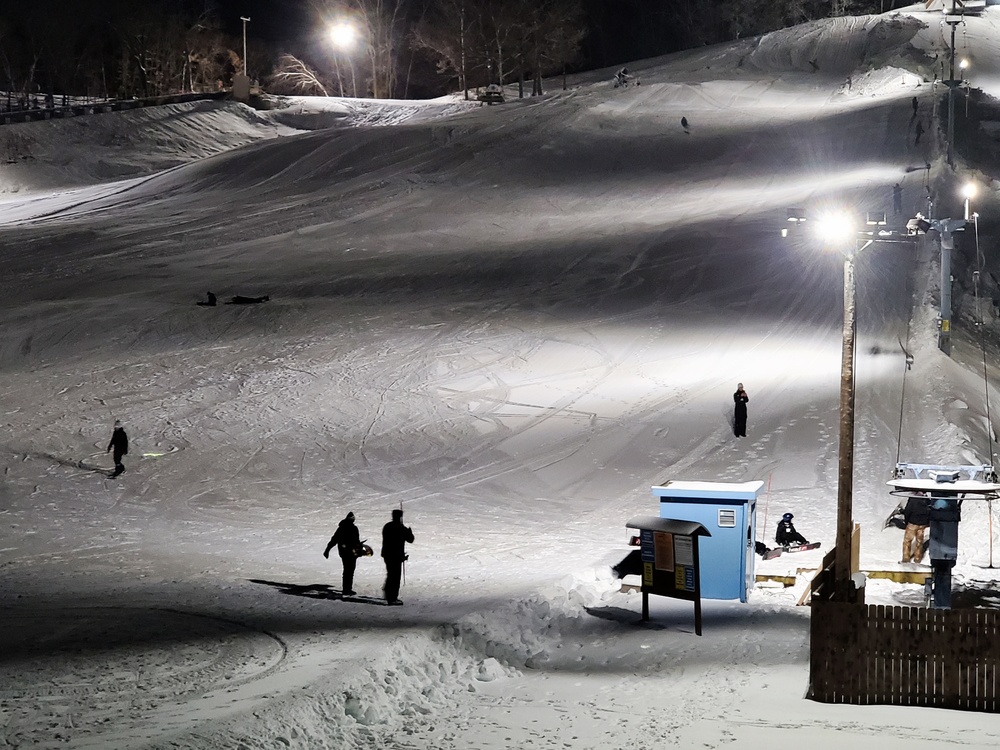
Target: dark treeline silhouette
405,48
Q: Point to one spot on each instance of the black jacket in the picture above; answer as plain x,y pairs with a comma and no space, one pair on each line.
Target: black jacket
394,538
786,534
741,398
916,511
347,538
119,441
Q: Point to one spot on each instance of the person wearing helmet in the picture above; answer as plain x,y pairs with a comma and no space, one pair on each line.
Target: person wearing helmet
786,535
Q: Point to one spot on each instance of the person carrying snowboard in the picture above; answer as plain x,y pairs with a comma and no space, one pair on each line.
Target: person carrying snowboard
740,398
347,539
119,441
917,515
394,538
786,535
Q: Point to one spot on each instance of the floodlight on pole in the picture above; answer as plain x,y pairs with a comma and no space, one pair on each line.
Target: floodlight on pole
968,192
245,20
344,36
838,231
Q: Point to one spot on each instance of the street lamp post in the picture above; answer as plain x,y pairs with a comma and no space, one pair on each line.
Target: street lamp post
963,65
245,20
344,35
845,474
839,232
953,19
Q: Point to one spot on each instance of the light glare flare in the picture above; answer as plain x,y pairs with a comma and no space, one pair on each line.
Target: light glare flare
343,35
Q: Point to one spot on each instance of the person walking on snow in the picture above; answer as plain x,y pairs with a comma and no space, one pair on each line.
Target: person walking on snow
347,539
917,515
786,535
119,441
394,538
740,421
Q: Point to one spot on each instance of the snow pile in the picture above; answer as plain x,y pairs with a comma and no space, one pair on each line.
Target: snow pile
836,47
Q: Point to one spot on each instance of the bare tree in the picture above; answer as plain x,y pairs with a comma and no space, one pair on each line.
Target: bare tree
292,76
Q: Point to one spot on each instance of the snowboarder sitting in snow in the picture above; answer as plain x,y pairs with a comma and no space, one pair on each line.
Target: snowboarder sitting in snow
786,535
211,301
622,78
239,299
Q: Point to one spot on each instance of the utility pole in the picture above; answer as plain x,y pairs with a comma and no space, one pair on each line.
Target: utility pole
246,20
844,585
953,19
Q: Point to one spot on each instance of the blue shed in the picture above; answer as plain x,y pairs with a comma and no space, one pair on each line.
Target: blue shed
728,510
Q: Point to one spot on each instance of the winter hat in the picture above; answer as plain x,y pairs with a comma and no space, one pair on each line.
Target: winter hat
350,516
118,423
787,517
397,514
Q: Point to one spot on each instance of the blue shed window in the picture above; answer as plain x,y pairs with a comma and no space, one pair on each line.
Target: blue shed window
727,518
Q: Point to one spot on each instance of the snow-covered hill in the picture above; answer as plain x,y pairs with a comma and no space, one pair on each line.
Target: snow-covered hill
510,321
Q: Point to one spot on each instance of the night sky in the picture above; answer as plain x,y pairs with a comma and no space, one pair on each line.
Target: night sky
270,20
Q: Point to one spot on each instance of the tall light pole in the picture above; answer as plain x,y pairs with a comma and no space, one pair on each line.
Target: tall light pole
343,36
963,66
245,21
840,233
953,19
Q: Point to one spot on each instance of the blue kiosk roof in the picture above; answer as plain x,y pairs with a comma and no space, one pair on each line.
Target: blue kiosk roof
655,523
709,490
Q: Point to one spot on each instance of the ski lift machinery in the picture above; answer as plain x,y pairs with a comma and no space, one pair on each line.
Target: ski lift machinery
946,487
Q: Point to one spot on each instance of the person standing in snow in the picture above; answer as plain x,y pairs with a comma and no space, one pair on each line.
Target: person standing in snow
119,441
917,515
786,535
740,421
394,538
347,539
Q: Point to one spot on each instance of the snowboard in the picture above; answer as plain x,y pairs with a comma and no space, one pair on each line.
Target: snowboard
777,551
362,599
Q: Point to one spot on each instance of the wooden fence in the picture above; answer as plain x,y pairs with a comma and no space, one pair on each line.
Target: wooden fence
906,656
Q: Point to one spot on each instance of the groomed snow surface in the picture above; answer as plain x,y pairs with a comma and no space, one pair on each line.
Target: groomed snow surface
511,322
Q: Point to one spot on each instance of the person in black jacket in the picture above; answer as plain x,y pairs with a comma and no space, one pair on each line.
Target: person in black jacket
394,538
347,539
740,398
917,515
786,535
119,441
